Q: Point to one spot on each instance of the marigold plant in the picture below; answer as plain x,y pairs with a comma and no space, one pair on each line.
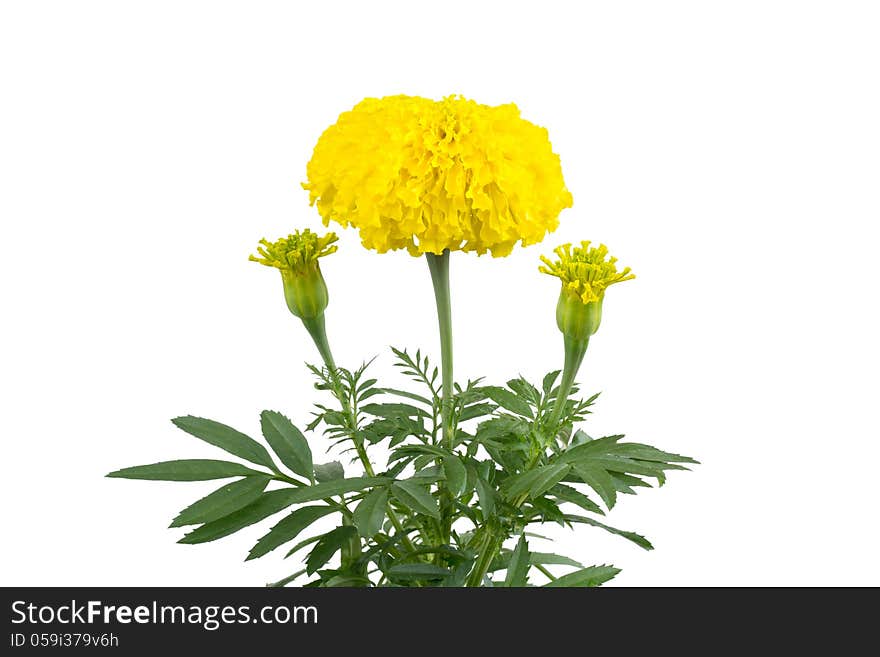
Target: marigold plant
472,467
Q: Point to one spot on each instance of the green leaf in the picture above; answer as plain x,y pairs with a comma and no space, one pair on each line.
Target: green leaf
348,580
393,410
506,399
222,502
335,487
408,395
525,390
486,494
648,453
518,567
288,443
416,497
329,471
267,504
417,571
596,447
185,470
328,545
411,451
503,428
599,480
535,482
370,513
456,475
549,380
475,410
288,529
549,559
568,494
638,539
225,438
592,576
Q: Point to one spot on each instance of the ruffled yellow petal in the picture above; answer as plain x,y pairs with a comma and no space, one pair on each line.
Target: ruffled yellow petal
425,175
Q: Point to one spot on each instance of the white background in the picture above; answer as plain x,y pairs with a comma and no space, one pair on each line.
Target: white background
728,151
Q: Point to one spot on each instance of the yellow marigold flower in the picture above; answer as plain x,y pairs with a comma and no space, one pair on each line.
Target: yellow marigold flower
434,175
585,272
296,256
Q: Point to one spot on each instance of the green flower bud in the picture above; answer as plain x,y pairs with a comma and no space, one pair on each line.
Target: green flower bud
296,256
576,319
585,274
306,293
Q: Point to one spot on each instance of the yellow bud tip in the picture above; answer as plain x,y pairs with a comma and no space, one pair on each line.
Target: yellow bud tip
296,253
585,271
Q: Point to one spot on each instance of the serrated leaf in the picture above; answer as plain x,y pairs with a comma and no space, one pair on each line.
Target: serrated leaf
524,390
370,513
328,545
537,481
225,438
597,447
329,471
408,395
568,494
648,453
416,497
502,427
267,504
288,443
222,502
519,564
506,399
591,576
185,470
410,451
393,410
288,529
599,480
475,410
638,539
549,380
335,487
486,495
417,571
456,475
550,559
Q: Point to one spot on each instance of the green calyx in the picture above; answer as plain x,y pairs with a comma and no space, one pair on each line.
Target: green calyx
577,320
305,292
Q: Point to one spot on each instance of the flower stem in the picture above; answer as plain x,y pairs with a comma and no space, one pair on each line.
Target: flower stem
439,267
317,329
574,356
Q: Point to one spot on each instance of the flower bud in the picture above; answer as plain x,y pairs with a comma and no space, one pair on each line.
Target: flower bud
585,274
296,256
305,293
576,319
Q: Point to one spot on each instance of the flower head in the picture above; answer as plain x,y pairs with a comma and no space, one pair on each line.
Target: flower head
585,272
296,256
434,175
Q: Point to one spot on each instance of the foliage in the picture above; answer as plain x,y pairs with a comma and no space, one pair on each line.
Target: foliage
437,515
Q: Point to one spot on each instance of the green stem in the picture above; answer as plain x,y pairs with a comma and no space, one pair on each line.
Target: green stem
317,329
439,267
546,572
488,545
574,356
